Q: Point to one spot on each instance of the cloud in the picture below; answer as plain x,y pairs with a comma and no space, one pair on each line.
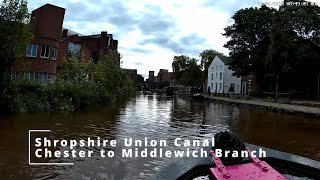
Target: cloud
138,63
184,45
150,33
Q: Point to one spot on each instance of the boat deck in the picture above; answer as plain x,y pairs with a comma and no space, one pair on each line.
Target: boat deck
289,165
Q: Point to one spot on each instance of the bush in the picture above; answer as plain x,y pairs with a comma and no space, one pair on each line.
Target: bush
80,84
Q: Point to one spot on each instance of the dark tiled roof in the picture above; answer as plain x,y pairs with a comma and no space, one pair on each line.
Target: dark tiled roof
226,60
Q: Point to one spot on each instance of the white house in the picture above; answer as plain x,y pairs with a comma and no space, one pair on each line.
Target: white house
220,77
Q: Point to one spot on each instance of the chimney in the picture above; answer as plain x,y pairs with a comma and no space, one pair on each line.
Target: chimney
104,33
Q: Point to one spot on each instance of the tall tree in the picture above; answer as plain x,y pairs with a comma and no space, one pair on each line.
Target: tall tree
250,39
14,37
295,38
294,53
186,71
207,57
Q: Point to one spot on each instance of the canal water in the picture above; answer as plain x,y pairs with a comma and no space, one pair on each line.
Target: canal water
152,116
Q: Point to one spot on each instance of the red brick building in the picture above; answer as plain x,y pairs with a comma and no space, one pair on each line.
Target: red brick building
51,44
133,74
71,45
151,77
42,53
164,76
249,85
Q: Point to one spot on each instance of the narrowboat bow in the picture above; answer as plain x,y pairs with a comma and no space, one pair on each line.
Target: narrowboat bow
288,165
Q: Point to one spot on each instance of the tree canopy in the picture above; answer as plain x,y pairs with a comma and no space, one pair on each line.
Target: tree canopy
249,39
295,39
15,34
265,41
186,71
207,57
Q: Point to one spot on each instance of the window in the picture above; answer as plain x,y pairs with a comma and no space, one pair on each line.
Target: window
37,76
212,68
212,76
211,86
50,77
220,86
45,51
217,68
221,76
32,76
43,77
109,41
74,49
220,67
54,54
32,50
216,75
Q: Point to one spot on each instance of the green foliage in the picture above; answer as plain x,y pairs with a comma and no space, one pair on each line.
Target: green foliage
207,57
283,42
80,83
15,34
249,40
186,71
295,39
27,96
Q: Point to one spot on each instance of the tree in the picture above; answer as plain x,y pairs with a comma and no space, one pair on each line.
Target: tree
294,53
295,38
14,36
186,71
140,78
250,39
207,57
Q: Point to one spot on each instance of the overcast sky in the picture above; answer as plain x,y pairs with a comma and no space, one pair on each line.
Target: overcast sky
151,32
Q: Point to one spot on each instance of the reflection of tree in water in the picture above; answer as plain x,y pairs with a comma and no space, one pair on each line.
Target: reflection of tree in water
89,122
202,119
223,116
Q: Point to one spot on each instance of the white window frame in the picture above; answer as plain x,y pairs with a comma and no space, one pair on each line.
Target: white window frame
45,51
34,75
54,54
109,41
45,80
32,46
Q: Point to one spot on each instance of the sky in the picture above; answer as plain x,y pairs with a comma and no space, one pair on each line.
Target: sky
152,32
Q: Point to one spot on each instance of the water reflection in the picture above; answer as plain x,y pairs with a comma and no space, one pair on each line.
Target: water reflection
153,116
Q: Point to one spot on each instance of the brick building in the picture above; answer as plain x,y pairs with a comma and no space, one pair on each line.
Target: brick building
52,43
42,53
164,76
133,74
151,77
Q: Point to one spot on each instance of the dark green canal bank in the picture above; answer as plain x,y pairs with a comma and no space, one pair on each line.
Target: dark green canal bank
152,116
